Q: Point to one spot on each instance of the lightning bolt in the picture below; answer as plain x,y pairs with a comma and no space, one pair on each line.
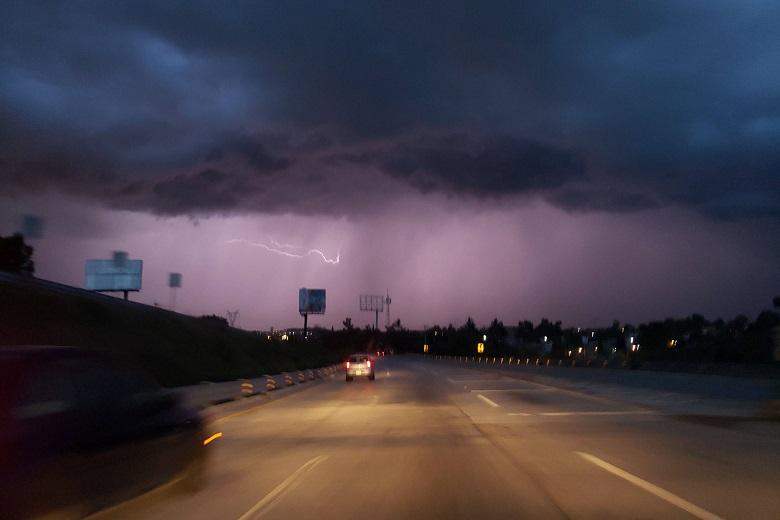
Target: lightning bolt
276,247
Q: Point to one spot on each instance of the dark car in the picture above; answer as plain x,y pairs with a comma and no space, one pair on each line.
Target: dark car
80,432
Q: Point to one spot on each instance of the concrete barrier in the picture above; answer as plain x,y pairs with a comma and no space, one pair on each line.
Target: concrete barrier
247,389
208,393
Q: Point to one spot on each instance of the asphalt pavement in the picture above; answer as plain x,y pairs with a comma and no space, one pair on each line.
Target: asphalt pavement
437,440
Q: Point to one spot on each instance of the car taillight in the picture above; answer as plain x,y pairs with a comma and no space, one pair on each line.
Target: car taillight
368,363
347,364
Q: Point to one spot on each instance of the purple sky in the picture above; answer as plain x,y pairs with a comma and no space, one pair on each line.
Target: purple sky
582,162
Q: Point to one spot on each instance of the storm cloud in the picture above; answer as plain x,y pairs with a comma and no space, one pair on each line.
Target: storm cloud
197,108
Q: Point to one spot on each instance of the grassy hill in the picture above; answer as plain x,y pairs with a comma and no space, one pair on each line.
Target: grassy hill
175,348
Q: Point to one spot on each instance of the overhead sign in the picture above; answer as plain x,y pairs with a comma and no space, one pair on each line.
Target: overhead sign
311,301
118,274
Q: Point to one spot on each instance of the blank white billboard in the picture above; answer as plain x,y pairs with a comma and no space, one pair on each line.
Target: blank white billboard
110,275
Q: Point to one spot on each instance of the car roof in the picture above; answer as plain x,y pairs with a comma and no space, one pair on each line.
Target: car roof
42,351
36,348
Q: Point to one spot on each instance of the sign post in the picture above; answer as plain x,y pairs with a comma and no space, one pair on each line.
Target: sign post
174,282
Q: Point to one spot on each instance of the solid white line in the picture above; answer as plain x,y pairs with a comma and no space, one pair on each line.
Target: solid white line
626,412
661,493
521,414
515,390
276,492
488,401
458,381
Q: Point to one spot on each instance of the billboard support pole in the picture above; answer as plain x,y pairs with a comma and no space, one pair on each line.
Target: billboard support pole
126,298
375,303
305,325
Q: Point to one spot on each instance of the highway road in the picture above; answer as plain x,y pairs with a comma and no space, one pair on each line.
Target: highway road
437,440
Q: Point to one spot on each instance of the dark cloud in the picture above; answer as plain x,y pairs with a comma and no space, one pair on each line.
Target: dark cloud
461,164
675,102
605,199
253,151
206,191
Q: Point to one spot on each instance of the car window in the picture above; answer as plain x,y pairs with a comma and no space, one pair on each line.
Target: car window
46,391
68,383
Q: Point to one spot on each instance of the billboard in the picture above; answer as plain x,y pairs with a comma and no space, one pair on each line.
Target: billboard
174,279
311,301
372,302
117,274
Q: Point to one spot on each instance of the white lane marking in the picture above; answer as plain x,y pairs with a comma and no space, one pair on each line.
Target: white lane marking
515,390
264,503
488,401
566,414
460,381
651,488
624,412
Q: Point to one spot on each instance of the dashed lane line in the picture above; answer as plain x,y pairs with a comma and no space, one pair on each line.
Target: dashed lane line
488,401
